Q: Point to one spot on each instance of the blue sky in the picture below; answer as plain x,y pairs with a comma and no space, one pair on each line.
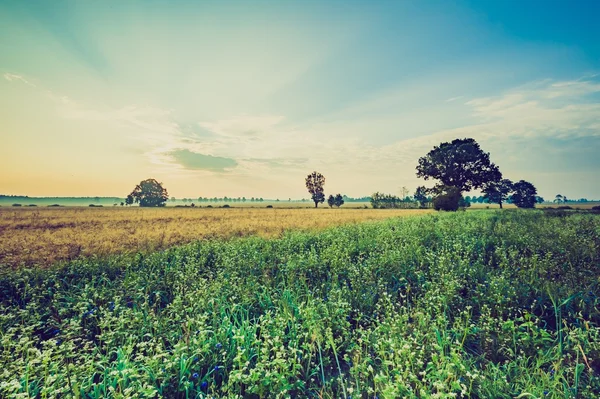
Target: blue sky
246,98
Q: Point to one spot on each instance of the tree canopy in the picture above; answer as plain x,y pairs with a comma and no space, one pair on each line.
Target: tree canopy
524,194
150,193
314,184
460,163
498,192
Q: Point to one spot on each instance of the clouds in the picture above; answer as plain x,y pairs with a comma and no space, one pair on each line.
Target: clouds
254,97
196,161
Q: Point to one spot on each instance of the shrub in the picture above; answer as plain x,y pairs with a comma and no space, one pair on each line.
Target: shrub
449,200
32,205
16,205
226,206
269,206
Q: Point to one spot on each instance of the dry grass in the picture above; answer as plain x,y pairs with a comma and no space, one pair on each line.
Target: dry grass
44,236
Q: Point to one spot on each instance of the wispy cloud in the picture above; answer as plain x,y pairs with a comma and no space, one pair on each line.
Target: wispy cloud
11,77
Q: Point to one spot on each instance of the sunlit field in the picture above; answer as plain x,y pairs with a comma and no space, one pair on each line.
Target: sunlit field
43,236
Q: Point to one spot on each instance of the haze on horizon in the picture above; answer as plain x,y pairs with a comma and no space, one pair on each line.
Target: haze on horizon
246,98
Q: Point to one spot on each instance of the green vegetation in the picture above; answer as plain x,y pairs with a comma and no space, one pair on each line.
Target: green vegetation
473,304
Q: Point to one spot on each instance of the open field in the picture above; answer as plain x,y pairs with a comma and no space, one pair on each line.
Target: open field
479,304
44,236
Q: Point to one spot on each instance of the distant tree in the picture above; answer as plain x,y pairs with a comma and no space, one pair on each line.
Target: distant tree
461,164
559,199
122,203
339,200
448,199
173,199
498,192
150,193
524,194
243,199
314,184
331,201
129,200
403,192
261,199
539,200
421,196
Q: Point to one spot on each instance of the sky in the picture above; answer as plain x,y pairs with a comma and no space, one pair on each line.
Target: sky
245,98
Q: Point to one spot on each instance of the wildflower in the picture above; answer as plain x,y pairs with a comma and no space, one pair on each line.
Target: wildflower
111,306
204,385
217,368
195,358
546,393
194,376
218,346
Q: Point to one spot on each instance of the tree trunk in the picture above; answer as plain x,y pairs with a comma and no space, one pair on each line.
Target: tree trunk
500,205
316,204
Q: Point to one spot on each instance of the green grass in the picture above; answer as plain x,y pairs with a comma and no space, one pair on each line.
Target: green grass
473,304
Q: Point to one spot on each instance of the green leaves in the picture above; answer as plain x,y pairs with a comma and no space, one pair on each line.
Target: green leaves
475,304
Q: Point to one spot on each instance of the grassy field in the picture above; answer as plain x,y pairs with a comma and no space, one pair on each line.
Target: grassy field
480,304
44,236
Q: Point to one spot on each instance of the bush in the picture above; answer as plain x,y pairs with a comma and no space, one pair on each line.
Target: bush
16,205
269,206
226,206
32,205
450,200
54,205
564,207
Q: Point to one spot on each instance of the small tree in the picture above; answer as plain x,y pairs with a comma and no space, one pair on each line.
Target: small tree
150,193
559,199
498,192
421,196
331,201
129,200
339,200
314,184
524,194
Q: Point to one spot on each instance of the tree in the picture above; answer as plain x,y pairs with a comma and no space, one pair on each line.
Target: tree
461,164
448,199
539,200
420,196
150,193
129,200
498,192
558,199
314,184
524,194
339,200
331,201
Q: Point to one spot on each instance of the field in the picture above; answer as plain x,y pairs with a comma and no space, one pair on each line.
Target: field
481,304
44,236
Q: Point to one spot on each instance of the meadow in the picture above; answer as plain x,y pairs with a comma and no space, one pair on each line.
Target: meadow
479,304
44,236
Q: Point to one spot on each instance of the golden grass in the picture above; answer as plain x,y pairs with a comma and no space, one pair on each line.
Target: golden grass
44,236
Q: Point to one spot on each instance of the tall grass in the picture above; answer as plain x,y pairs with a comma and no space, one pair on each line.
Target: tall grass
45,236
473,305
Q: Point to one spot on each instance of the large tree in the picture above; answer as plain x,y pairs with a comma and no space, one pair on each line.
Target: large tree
150,193
524,194
314,184
498,192
461,164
